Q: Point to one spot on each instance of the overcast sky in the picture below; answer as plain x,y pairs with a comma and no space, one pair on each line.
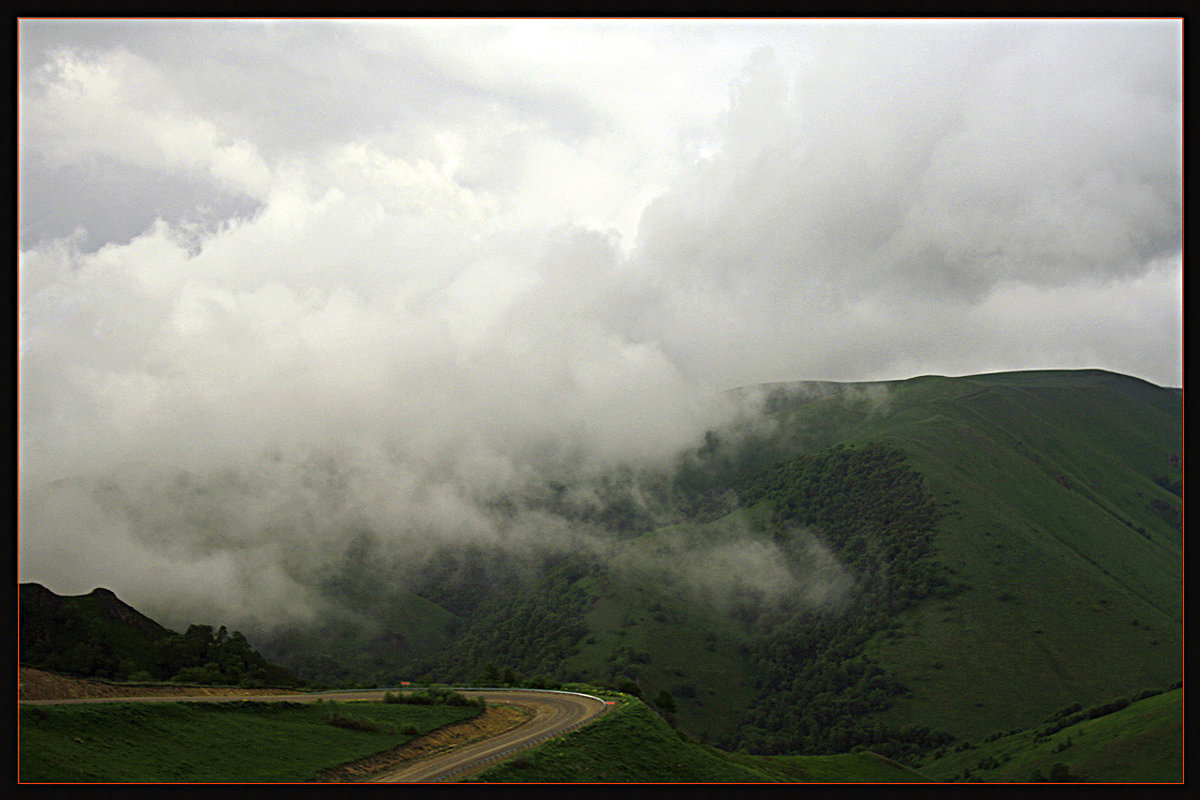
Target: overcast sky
499,238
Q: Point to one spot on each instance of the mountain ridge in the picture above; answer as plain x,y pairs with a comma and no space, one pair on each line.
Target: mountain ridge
99,635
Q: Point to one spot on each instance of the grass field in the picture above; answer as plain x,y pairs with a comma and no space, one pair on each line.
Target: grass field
238,742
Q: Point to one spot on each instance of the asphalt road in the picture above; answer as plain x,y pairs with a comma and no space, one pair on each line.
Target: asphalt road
554,713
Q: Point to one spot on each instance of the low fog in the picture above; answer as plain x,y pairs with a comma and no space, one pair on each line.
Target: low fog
286,285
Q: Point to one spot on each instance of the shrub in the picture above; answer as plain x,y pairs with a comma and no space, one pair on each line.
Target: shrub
339,721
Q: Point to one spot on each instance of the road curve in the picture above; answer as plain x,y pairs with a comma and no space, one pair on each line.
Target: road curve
554,713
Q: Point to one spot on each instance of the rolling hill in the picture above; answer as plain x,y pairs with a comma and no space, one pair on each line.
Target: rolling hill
1065,532
1051,571
892,566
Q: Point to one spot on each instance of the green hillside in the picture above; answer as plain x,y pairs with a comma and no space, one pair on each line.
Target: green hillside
1055,560
1048,571
1065,533
1139,741
632,744
895,567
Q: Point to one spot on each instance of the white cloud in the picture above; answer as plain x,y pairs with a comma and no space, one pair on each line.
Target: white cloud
464,257
119,106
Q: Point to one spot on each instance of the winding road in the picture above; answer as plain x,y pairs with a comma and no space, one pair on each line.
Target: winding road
554,713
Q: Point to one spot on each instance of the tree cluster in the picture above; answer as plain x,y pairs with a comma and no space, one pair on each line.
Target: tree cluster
816,687
202,655
529,620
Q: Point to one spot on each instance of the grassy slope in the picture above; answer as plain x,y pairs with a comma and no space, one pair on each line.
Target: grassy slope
1075,583
1142,742
208,742
678,638
1050,477
632,744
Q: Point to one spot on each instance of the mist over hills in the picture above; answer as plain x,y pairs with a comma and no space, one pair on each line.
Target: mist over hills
408,348
887,564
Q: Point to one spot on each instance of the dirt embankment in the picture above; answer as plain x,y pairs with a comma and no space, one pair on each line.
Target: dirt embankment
492,722
36,684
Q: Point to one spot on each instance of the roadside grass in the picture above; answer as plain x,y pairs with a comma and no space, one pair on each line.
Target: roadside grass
633,744
237,742
1142,742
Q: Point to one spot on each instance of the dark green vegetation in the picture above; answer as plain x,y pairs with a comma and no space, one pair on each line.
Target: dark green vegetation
238,742
817,687
601,752
97,635
432,695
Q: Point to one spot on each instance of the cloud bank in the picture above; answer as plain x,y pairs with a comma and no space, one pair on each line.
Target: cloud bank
461,258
